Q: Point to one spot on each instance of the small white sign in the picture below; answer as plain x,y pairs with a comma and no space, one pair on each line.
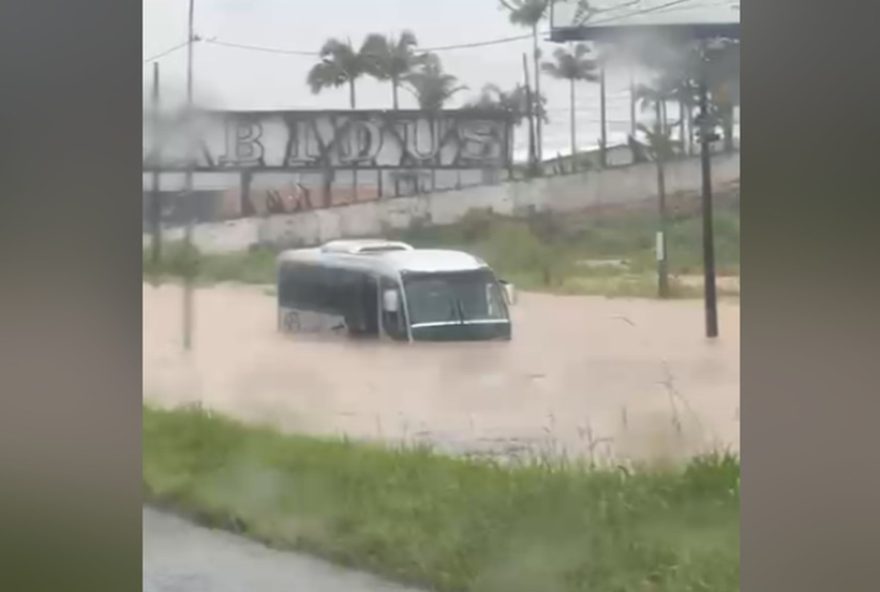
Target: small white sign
661,252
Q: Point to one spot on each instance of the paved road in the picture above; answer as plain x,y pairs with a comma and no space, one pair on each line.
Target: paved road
181,557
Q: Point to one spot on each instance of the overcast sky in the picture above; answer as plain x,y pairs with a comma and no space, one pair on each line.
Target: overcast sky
230,78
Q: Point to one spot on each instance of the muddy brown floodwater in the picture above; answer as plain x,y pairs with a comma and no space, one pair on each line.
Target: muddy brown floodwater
589,376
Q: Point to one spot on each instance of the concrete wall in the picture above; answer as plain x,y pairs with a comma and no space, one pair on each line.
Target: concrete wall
562,193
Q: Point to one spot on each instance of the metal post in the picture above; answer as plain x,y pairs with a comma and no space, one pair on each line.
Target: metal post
156,204
706,136
632,102
659,149
188,194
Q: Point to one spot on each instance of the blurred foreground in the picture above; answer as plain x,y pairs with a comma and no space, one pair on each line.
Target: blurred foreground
182,557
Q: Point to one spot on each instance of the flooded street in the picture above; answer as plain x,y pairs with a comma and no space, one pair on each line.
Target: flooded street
182,557
584,375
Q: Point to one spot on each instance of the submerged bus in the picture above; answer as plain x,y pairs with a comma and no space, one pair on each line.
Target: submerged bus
387,289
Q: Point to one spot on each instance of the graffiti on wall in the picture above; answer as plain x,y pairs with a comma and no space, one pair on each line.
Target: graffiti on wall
323,140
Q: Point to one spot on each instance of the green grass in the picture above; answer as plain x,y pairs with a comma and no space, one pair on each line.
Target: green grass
452,524
542,252
628,235
256,266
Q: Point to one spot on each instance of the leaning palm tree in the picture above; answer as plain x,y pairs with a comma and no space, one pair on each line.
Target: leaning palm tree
391,59
573,66
530,13
431,86
340,64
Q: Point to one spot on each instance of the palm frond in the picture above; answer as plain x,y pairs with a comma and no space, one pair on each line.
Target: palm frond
407,40
526,13
572,65
551,69
431,86
325,75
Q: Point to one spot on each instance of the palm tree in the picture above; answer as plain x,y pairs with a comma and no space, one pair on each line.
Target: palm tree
681,68
392,59
686,93
572,66
514,103
723,79
431,86
665,89
662,148
340,64
660,144
529,13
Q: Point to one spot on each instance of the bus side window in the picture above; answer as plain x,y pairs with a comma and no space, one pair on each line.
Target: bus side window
286,285
369,301
394,323
313,293
345,299
290,285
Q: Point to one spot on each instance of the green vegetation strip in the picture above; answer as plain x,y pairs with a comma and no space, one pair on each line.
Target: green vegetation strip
452,524
542,252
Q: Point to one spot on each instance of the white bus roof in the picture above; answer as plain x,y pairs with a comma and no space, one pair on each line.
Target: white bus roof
368,245
388,261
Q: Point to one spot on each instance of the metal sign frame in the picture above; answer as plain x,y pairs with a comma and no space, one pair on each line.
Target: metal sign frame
239,141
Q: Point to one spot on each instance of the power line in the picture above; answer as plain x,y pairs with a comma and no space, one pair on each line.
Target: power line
263,49
166,52
277,50
477,43
471,45
640,12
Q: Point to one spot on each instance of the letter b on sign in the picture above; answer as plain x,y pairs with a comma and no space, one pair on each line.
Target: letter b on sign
243,146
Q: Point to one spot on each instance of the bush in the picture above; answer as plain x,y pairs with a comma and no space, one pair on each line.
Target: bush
476,225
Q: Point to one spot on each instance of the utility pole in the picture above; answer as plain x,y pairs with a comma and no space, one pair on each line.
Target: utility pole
189,270
539,130
603,153
156,202
533,164
707,135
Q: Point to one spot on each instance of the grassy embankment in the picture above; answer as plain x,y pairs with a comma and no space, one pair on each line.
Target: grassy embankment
551,253
452,524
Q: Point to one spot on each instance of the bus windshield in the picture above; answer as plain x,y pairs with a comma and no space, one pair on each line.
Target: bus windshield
455,298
